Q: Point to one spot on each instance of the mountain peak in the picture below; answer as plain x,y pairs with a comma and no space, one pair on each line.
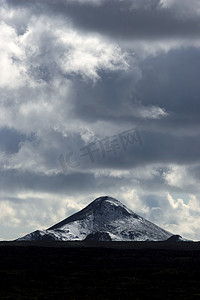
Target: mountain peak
106,199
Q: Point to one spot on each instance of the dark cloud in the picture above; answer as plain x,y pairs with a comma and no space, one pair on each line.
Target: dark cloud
121,19
169,80
71,184
108,99
118,20
157,147
10,140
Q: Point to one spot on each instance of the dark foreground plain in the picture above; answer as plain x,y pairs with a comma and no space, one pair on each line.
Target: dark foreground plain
99,270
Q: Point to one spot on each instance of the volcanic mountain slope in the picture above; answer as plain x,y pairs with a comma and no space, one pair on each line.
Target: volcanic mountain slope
103,219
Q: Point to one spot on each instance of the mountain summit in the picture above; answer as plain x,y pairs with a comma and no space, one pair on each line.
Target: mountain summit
103,219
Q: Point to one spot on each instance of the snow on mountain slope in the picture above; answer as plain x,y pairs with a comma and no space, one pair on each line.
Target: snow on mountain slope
104,219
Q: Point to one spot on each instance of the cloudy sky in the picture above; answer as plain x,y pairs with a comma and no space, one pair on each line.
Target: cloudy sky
77,77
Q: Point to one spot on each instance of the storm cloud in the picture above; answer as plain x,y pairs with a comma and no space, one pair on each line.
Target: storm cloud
87,71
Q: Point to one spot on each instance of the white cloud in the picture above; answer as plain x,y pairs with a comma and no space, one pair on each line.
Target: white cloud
132,200
36,64
87,135
89,54
34,210
182,8
12,71
8,215
178,176
175,215
183,218
152,112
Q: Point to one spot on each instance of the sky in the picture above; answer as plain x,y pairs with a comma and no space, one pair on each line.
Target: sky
99,97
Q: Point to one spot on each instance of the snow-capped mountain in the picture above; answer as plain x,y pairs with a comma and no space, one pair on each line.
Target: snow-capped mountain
103,219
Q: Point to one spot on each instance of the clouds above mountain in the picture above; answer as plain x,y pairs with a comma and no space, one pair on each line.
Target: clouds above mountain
88,71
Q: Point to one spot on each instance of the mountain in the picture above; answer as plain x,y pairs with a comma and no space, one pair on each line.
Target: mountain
103,219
